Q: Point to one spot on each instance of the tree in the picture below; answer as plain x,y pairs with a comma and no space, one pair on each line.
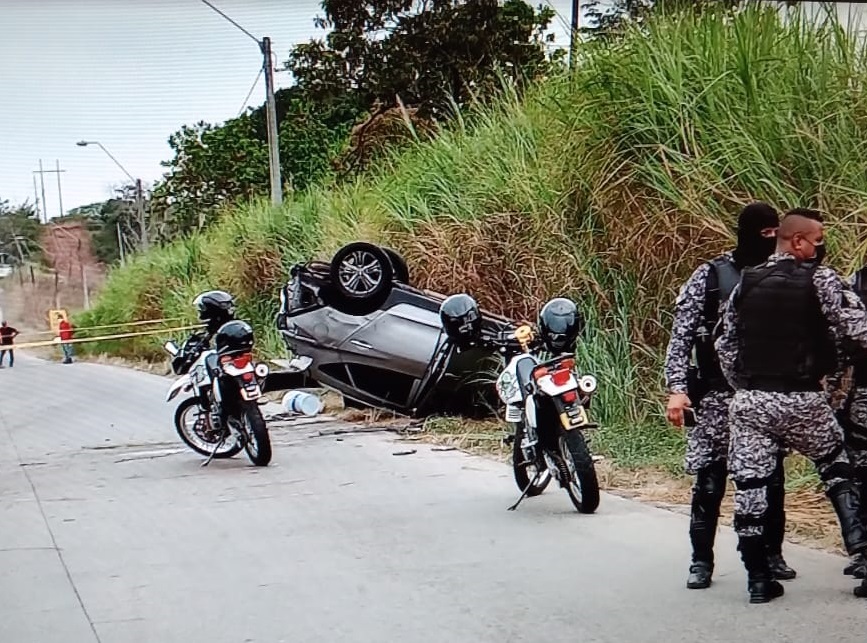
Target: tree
19,231
215,165
116,217
426,53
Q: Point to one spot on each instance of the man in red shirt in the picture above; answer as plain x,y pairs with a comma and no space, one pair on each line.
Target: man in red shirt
7,334
65,335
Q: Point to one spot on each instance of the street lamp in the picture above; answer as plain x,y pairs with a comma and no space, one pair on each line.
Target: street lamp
139,200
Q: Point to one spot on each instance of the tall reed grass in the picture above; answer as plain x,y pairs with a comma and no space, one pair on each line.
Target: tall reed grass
610,184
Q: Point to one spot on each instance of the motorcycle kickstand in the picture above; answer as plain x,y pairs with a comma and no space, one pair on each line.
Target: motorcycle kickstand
524,494
214,452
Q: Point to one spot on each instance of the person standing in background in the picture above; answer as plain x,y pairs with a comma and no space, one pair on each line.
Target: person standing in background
7,334
66,334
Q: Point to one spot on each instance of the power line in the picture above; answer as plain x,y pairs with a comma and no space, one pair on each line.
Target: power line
250,93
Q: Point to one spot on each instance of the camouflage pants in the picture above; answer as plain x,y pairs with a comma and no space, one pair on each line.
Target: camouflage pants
708,441
856,436
760,422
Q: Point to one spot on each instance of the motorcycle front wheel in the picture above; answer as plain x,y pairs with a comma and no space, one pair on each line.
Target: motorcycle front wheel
193,425
525,472
258,443
583,487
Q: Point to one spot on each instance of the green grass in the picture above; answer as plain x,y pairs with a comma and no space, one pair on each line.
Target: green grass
608,185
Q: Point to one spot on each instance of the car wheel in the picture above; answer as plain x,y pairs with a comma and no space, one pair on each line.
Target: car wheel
361,278
398,265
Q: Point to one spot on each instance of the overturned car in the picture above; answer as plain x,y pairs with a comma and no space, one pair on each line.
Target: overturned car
356,325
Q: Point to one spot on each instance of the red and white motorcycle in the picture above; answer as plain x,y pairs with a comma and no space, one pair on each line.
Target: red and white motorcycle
222,415
547,406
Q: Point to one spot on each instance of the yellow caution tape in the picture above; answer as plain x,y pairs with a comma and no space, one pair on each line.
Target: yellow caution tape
103,327
57,341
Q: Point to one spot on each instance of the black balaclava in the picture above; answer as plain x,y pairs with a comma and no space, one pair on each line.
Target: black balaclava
754,249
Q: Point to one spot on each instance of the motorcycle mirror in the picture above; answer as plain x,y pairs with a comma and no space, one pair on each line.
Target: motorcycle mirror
171,348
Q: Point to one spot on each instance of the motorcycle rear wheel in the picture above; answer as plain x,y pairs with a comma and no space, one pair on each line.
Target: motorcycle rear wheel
583,486
198,440
258,446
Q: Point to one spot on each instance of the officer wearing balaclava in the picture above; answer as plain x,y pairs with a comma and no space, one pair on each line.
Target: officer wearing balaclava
698,390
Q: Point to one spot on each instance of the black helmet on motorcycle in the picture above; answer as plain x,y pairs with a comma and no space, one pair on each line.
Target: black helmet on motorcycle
461,319
215,308
234,337
560,324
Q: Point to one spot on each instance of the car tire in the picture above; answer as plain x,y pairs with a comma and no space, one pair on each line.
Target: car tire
398,265
362,277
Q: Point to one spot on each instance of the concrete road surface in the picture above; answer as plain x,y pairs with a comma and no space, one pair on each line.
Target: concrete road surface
111,532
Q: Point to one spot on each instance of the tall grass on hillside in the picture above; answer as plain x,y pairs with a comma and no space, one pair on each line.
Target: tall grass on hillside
609,185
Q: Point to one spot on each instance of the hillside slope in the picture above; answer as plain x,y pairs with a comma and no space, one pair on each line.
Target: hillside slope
609,186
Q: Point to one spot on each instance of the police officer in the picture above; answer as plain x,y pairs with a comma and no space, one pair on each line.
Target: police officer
775,347
853,418
703,386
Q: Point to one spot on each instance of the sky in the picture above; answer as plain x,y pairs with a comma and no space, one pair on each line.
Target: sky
129,74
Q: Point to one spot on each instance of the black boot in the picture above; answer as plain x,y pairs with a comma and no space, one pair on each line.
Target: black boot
707,495
775,525
845,498
760,584
700,575
857,567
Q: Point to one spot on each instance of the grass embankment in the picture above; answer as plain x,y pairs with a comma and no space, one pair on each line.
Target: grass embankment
609,186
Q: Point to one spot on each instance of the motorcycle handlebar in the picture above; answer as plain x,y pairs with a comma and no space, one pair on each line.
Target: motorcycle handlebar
506,340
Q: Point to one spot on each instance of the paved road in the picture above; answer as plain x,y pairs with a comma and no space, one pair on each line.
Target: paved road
110,532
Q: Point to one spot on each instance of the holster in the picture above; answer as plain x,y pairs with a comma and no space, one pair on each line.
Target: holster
696,386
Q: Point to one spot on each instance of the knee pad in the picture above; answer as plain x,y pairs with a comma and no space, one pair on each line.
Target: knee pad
710,483
753,483
741,521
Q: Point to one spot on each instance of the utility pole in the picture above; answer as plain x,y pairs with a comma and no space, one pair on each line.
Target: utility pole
139,204
41,172
36,199
271,115
120,242
59,191
270,108
16,238
573,34
42,183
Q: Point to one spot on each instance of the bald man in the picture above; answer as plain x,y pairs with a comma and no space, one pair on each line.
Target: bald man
777,343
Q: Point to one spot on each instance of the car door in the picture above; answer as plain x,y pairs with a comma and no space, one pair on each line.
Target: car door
400,339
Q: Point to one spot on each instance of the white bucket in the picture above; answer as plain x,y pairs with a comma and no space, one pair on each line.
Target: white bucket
301,402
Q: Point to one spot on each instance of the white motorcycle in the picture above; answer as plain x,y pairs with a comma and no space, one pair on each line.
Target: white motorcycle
547,407
222,416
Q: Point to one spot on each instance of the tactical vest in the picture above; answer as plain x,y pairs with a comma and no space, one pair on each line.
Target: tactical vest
722,277
859,372
784,341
